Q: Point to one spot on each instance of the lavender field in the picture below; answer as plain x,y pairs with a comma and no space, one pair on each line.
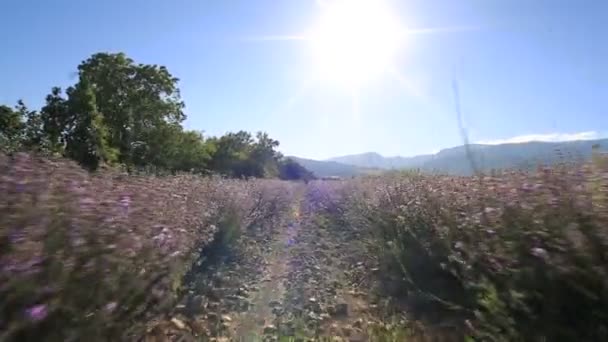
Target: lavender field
401,256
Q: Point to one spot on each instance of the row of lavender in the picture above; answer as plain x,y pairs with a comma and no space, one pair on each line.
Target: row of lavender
96,255
515,256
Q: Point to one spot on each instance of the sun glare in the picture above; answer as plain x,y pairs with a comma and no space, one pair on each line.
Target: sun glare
355,40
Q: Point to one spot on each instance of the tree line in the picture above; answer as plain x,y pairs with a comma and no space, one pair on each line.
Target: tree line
121,112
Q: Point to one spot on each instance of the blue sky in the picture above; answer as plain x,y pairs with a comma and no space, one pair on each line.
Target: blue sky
525,69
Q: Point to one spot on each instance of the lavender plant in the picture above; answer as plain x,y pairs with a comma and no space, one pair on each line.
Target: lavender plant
515,256
97,255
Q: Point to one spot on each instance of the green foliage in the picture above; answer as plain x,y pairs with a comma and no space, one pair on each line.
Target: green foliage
289,169
56,120
33,135
88,141
11,129
121,112
240,155
135,100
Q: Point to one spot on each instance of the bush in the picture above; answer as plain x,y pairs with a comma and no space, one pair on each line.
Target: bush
514,257
98,255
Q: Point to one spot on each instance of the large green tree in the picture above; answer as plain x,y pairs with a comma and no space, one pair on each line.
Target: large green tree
231,155
135,99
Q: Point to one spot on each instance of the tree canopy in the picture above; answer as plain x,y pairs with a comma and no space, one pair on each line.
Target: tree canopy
120,112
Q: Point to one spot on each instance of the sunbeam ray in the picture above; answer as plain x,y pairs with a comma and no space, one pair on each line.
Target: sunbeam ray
420,95
444,29
277,38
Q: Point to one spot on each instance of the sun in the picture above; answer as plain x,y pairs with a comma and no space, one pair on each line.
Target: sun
355,40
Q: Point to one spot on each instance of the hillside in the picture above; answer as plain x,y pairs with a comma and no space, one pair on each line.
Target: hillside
375,160
328,168
485,157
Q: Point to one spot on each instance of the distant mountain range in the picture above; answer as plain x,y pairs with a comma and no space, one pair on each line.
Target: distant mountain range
458,161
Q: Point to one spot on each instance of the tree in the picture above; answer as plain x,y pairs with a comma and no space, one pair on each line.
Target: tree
87,143
240,155
193,154
263,156
33,133
292,170
56,120
11,129
120,111
231,155
135,99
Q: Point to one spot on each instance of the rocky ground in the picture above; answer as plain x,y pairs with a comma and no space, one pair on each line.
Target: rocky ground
306,280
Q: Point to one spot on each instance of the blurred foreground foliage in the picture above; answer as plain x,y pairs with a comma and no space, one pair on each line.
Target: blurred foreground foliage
510,257
94,256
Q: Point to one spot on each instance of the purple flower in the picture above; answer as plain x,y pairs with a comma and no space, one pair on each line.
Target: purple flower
37,312
16,236
125,202
539,252
110,307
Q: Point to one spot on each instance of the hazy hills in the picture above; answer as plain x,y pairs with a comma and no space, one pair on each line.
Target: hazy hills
456,160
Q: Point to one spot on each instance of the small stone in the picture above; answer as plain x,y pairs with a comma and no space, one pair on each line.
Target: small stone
178,323
312,300
358,323
270,329
226,318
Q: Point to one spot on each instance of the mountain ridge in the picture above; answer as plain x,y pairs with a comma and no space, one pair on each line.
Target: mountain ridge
461,160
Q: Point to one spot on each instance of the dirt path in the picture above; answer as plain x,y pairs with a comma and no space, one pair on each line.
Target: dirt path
305,281
260,320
